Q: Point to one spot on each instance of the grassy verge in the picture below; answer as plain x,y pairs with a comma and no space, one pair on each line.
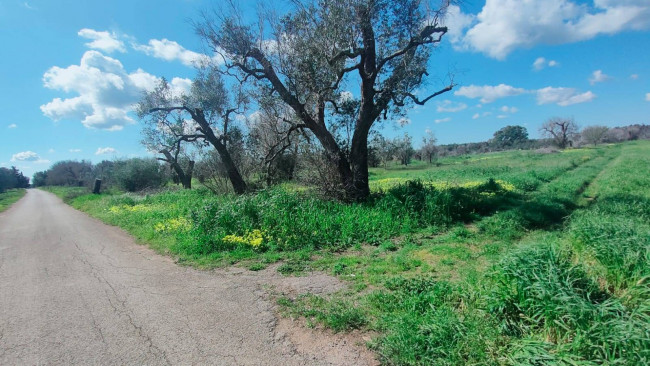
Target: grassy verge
509,258
9,197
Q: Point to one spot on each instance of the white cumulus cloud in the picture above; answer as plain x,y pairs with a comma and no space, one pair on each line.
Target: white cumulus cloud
647,97
170,51
510,110
476,116
505,25
26,156
105,41
541,63
13,125
449,106
489,93
105,150
106,91
563,96
560,95
75,150
441,120
457,22
598,77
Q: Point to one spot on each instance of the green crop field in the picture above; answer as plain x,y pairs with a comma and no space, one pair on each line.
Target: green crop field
506,258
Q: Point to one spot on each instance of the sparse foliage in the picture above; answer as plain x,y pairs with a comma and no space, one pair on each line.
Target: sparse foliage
204,115
275,142
428,150
404,149
70,173
594,134
385,149
561,130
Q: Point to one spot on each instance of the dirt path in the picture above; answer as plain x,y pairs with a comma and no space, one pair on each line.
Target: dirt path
76,291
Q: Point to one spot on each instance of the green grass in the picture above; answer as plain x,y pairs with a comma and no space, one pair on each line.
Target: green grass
527,170
505,258
9,197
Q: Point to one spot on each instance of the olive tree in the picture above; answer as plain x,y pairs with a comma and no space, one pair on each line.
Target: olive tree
404,148
202,115
384,148
274,142
165,133
428,148
561,130
313,55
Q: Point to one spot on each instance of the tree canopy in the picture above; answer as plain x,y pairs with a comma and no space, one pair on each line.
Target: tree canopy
310,59
11,178
510,136
204,114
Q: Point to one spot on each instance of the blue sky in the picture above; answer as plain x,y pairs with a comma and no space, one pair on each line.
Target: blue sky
71,70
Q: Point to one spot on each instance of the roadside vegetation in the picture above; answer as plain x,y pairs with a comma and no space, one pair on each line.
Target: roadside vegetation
516,257
12,184
9,197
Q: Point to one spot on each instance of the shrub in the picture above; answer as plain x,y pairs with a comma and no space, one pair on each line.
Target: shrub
292,220
138,174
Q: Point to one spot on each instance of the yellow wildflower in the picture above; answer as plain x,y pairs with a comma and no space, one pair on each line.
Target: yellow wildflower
179,224
253,238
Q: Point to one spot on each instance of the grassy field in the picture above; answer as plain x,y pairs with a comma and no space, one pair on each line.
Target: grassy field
506,258
9,197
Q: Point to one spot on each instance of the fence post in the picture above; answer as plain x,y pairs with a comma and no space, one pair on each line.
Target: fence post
98,185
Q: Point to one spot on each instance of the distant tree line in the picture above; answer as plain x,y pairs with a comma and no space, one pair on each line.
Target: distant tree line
263,158
557,133
130,175
11,178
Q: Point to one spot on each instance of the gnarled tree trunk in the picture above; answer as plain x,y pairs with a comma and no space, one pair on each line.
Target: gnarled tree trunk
238,183
185,177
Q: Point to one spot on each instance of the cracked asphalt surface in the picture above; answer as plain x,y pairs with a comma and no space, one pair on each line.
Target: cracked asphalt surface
76,291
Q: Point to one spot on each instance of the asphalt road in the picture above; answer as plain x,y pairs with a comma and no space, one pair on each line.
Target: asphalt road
76,291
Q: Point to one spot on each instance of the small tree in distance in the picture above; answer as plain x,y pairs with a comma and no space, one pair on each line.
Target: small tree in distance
594,134
428,149
561,130
404,149
384,148
509,137
40,179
